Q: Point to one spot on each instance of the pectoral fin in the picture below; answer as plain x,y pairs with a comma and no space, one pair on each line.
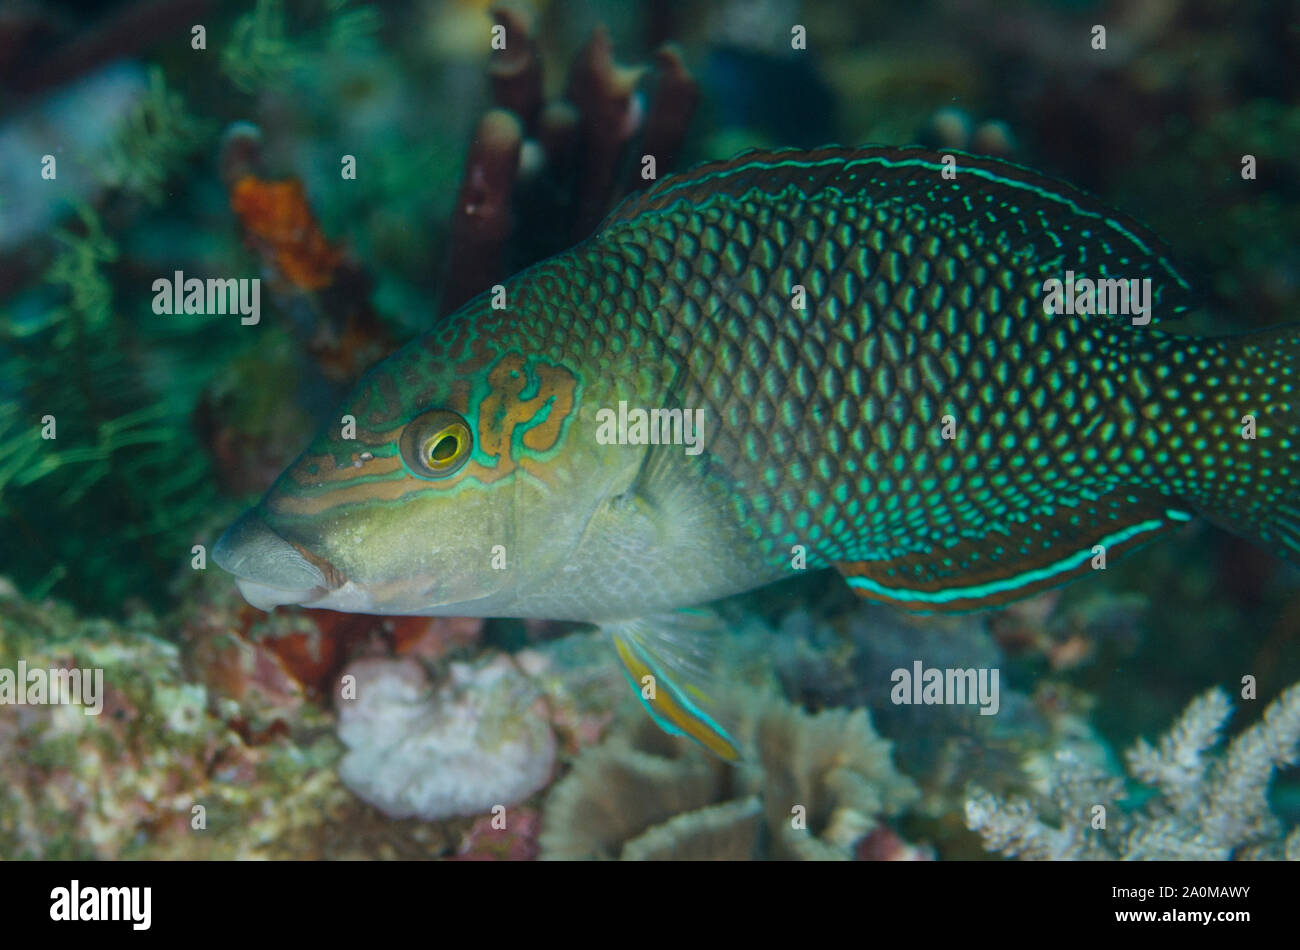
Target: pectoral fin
671,664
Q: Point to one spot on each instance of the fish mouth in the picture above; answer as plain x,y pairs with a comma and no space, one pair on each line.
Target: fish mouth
270,570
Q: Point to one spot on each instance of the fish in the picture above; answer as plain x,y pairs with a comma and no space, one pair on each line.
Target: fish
874,359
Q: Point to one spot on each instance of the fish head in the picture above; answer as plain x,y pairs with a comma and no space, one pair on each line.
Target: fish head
453,478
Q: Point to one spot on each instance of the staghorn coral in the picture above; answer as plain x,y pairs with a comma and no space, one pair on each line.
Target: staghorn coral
810,788
481,222
1207,806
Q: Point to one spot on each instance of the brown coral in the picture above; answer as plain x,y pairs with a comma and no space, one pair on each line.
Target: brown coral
575,145
811,786
827,779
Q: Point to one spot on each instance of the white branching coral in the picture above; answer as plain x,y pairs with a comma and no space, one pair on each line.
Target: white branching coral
1209,806
1178,766
1014,828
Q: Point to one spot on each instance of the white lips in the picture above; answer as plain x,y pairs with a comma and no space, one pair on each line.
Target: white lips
268,598
268,569
349,598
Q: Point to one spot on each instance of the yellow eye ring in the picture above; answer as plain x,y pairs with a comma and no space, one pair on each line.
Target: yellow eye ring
442,449
436,444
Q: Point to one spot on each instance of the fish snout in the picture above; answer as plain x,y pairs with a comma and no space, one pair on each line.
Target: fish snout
269,569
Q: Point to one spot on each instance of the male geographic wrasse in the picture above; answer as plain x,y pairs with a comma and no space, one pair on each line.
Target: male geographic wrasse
840,352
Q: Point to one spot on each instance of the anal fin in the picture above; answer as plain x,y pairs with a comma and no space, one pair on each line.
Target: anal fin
1017,560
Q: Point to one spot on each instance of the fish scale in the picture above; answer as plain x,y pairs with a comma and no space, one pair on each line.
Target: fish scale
922,423
922,303
849,426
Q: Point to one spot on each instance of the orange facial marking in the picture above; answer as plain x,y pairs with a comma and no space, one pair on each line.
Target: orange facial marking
373,491
503,411
327,471
500,414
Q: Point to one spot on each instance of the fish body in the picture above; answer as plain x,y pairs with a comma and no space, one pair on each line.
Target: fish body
850,358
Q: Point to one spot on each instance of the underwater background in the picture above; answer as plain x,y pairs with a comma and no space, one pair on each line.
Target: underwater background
223,153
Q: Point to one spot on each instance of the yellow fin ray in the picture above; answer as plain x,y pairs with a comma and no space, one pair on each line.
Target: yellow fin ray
671,665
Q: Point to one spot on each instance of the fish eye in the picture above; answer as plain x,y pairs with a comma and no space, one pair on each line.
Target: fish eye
436,444
444,449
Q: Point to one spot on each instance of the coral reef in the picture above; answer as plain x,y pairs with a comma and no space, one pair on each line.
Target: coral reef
153,140
545,172
88,116
159,772
833,774
726,832
846,659
811,787
470,163
1207,806
229,720
502,836
477,740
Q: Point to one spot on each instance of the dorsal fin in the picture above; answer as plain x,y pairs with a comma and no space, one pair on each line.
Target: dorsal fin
1065,227
1024,558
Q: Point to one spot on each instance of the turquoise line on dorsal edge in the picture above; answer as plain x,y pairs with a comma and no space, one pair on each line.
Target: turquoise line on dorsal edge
933,166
